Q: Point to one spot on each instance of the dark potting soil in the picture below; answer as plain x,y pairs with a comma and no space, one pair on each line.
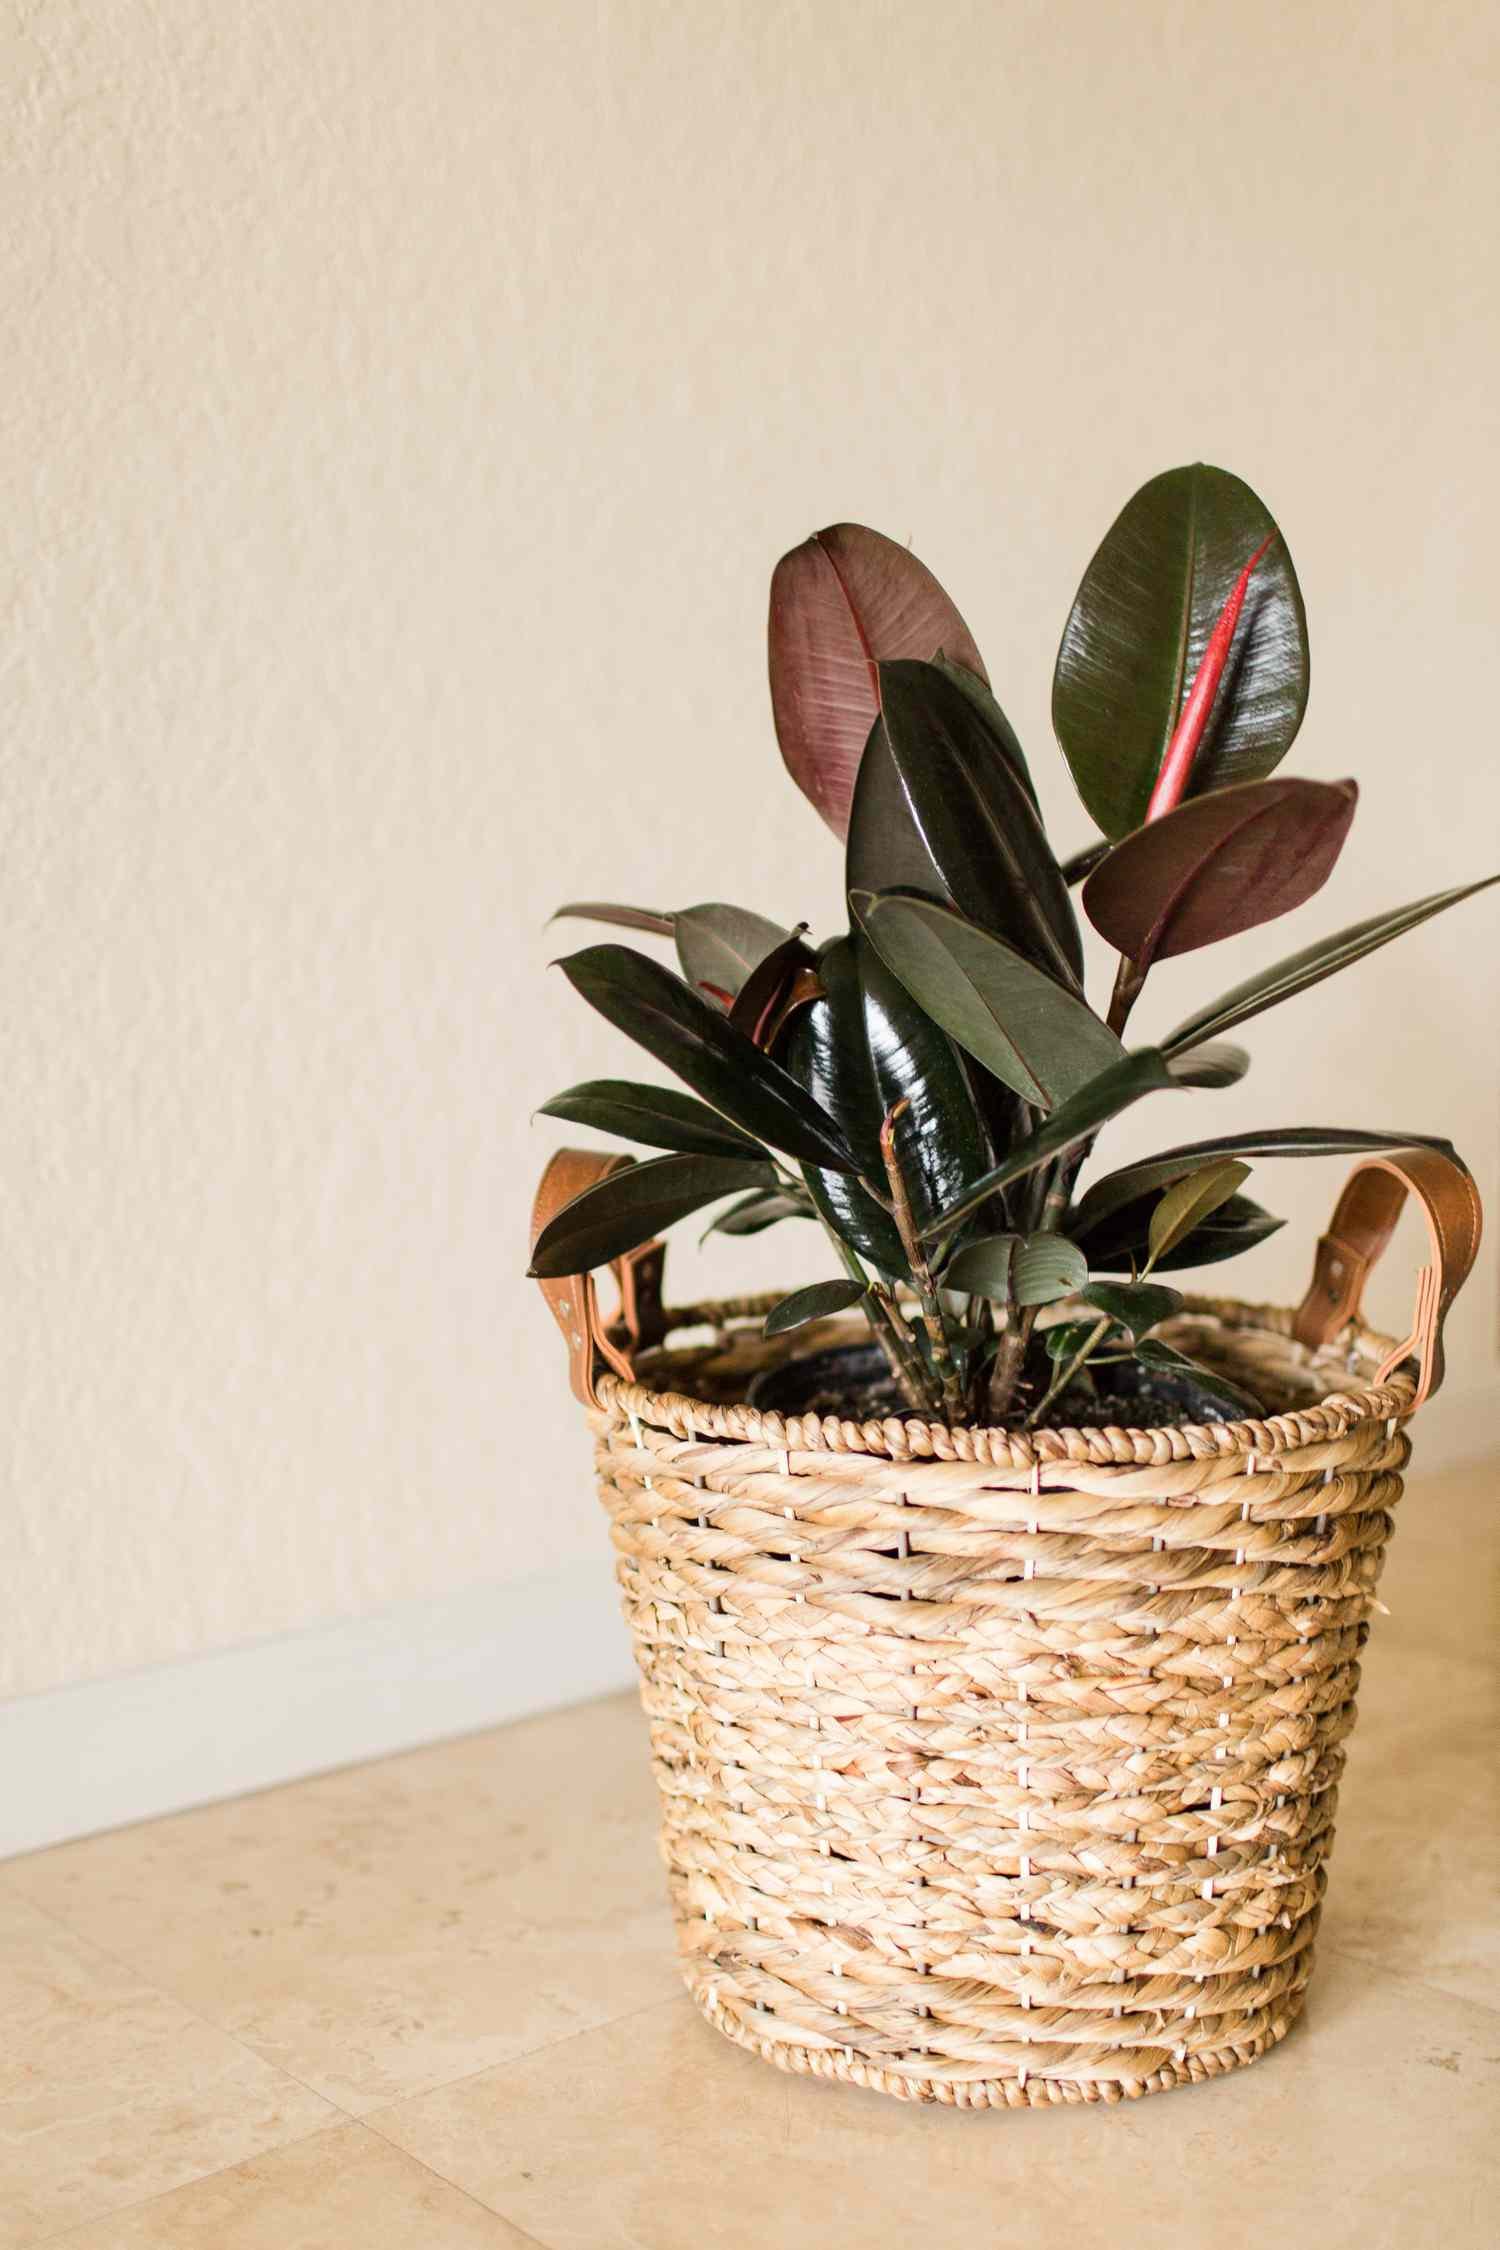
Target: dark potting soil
854,1383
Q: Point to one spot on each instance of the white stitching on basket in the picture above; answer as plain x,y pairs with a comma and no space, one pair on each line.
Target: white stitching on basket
967,1670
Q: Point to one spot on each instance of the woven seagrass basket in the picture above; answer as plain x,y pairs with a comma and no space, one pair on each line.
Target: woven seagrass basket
1002,1769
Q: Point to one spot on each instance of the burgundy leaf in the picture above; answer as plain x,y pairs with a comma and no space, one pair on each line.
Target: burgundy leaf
1218,864
775,989
844,601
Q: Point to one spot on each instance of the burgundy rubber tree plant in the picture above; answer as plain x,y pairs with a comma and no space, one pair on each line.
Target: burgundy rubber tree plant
927,1085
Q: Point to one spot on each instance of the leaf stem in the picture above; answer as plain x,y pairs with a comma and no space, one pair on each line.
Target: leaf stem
889,1329
944,1366
1061,1381
1128,983
895,1339
1085,1351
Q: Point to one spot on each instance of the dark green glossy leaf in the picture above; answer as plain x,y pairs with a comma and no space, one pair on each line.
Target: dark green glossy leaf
817,1302
1011,1016
1152,1352
1119,1242
983,1267
885,850
939,1140
631,1205
1190,1203
655,1116
861,1049
857,1220
719,945
1046,1267
1214,1063
1312,964
1144,1071
827,1050
1218,865
1066,1337
1029,1269
1237,1226
761,1208
1138,629
1005,1116
1135,1180
703,1048
1135,1306
840,602
1000,730
940,809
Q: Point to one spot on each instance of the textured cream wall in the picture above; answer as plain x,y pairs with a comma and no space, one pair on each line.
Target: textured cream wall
404,407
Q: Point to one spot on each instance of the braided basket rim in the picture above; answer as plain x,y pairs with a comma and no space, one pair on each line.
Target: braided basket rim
899,1438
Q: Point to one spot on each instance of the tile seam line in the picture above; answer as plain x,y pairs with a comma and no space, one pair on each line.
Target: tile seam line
1403,1976
337,2109
334,2124
337,2112
490,2210
372,2117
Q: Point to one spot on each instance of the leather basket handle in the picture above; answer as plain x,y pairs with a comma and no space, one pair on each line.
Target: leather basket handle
1363,1222
572,1298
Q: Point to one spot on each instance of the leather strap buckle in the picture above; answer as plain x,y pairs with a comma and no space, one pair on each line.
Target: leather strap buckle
1363,1222
592,1342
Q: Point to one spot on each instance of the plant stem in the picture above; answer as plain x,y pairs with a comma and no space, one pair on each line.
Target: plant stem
980,1328
889,1328
1128,983
1061,1381
906,1361
885,1322
1010,1358
943,1363
1059,1188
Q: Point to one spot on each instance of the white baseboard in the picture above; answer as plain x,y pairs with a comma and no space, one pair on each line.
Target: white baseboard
113,1751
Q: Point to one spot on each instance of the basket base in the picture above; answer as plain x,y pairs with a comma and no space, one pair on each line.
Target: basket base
1033,2091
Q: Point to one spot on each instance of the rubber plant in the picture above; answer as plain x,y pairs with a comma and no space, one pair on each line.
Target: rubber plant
928,1083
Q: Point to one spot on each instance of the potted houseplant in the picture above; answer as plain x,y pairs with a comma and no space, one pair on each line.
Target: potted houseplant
997,1602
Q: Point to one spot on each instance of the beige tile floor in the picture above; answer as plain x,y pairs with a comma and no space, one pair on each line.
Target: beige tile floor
432,2002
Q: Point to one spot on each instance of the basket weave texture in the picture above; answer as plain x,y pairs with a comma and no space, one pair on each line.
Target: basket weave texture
1001,1769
